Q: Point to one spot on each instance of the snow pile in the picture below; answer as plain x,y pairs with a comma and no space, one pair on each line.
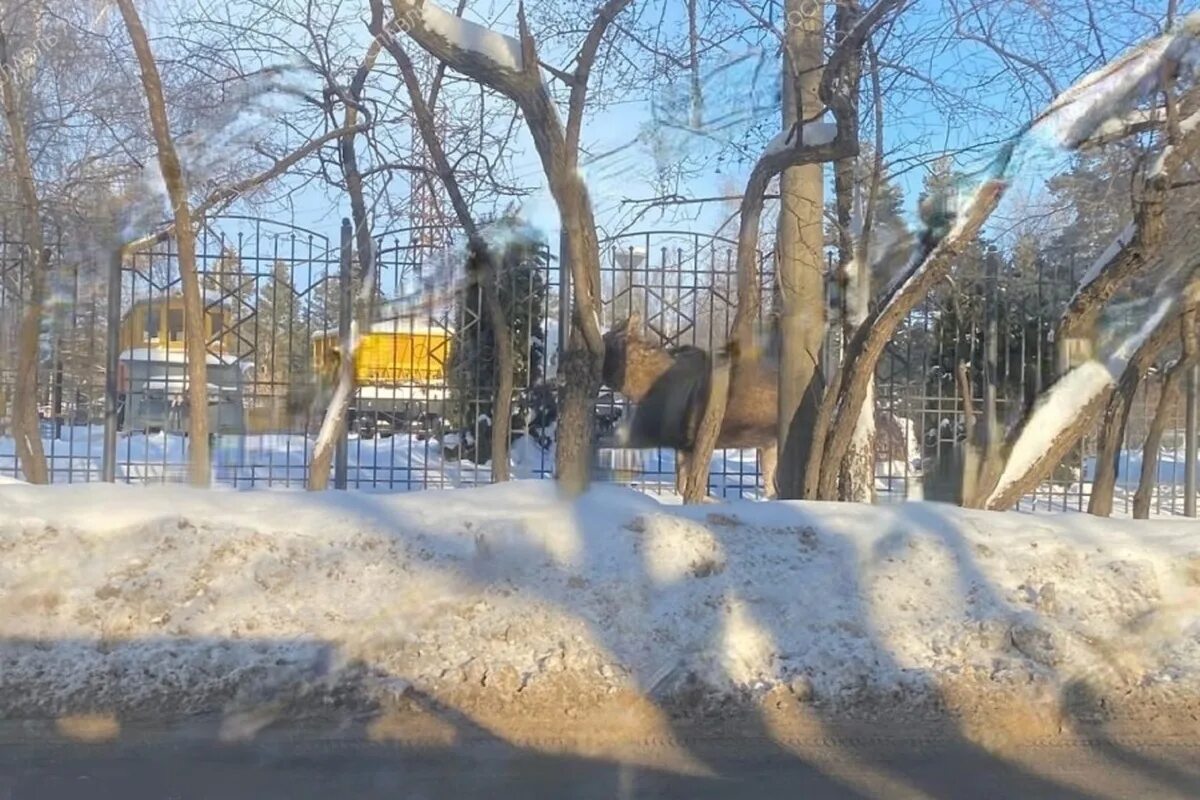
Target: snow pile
167,599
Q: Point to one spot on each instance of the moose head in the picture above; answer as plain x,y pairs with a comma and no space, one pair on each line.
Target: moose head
632,361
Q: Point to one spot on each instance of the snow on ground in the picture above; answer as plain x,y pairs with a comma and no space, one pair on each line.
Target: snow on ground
400,462
405,463
1171,468
139,599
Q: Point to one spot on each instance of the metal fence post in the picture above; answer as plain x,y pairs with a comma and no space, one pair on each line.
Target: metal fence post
345,310
991,341
108,463
564,293
1189,469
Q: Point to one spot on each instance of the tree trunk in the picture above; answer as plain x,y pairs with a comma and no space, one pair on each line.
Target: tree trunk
858,468
585,355
199,469
25,426
1108,454
502,400
695,488
800,247
580,382
334,421
1148,478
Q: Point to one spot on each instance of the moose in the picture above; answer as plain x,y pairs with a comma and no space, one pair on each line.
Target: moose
670,389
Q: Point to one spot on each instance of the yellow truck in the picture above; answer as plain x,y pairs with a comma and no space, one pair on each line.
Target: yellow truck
400,372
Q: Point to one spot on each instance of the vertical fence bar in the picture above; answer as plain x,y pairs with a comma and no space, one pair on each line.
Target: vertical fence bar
1189,467
564,293
991,336
108,462
346,308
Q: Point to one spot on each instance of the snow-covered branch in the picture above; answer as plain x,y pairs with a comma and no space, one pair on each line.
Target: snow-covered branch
1079,113
1138,243
1123,126
1072,119
1073,402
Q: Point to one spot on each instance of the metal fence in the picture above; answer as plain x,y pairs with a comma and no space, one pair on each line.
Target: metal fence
999,318
277,297
684,285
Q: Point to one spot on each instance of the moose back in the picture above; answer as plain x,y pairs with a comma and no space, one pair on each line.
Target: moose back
670,388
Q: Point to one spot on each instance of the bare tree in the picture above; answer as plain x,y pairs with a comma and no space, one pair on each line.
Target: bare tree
810,143
333,426
800,240
513,69
1169,393
199,470
1116,416
1091,103
26,429
482,262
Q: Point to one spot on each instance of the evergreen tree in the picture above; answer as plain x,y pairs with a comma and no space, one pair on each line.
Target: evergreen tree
282,334
521,258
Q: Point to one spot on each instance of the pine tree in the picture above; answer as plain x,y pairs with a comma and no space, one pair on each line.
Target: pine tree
282,333
471,372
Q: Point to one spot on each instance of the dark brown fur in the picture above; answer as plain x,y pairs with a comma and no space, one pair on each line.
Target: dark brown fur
670,387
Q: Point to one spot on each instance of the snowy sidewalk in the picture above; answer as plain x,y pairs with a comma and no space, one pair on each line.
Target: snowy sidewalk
152,601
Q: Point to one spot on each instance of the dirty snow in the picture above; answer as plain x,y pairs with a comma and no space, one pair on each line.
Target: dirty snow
130,598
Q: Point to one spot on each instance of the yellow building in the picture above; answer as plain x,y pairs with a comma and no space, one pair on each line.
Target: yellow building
152,369
159,323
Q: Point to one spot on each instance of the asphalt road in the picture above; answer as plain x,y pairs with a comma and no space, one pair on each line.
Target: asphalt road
162,766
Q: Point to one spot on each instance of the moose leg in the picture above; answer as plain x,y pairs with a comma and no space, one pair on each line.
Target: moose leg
680,471
768,458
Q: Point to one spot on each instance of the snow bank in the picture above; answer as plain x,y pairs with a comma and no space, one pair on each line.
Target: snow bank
169,599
